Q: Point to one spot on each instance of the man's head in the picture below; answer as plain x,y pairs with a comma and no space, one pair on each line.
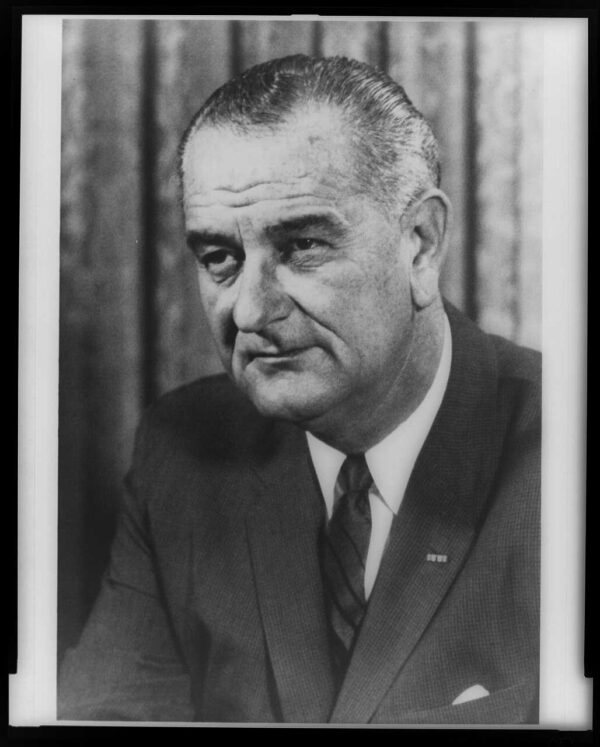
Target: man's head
395,152
311,203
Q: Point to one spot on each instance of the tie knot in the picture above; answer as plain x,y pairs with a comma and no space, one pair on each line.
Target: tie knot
354,475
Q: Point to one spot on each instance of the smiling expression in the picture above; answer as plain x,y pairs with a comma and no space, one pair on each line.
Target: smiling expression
304,278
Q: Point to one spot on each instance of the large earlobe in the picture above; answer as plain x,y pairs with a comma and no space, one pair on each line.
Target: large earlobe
429,225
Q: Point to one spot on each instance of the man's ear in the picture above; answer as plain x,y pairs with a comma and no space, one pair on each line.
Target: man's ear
428,225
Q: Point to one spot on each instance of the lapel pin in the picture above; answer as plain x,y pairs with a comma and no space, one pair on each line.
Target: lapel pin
434,558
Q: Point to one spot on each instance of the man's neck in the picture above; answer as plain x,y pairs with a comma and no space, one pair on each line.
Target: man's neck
370,422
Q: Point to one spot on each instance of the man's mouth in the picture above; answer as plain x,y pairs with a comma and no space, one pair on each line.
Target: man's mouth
272,355
275,354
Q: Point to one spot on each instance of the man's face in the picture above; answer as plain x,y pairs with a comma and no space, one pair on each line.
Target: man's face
304,278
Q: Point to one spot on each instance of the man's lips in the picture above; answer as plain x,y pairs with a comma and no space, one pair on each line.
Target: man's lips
273,354
270,353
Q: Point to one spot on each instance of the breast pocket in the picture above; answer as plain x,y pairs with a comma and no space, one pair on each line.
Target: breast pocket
516,704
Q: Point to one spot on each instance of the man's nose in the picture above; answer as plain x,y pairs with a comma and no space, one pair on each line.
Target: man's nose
260,298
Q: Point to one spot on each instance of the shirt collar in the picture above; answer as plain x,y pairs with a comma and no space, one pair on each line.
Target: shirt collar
391,461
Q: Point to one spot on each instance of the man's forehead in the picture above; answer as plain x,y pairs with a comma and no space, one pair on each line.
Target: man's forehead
314,142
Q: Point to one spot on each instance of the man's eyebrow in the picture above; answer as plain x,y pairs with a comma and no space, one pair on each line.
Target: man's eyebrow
196,238
309,221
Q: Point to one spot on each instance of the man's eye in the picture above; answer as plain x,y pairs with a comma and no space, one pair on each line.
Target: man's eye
306,253
304,244
221,264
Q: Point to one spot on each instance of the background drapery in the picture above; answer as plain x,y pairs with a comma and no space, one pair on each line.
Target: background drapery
131,325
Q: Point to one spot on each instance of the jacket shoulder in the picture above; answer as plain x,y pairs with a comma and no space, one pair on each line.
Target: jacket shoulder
208,417
513,374
519,384
518,362
514,371
203,397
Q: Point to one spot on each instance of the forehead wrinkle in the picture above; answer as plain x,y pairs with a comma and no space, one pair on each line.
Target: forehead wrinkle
262,183
327,191
198,202
263,190
211,201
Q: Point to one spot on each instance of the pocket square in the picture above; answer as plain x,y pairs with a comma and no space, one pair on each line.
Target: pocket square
471,693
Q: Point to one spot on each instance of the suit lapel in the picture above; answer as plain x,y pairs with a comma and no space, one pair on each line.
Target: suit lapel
283,530
439,515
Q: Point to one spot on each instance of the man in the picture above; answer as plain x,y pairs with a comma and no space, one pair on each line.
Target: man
346,528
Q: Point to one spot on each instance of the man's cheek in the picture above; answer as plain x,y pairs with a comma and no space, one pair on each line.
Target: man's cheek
220,322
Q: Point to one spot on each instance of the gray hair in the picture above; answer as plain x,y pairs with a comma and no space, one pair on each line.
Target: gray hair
396,151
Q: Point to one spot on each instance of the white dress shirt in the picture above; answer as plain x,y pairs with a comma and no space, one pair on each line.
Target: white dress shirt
390,462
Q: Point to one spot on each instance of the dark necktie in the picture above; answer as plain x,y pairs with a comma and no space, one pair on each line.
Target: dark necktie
344,555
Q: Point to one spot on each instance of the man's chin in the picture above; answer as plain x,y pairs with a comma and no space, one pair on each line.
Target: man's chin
297,402
292,409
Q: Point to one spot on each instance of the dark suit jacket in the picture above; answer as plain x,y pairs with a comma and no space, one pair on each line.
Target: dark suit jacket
212,608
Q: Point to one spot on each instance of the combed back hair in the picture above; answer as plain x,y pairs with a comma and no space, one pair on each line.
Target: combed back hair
396,153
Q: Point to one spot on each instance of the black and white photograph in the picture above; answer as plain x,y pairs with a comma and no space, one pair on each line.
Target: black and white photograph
306,469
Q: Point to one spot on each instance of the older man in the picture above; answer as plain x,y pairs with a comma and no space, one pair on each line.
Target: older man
345,528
